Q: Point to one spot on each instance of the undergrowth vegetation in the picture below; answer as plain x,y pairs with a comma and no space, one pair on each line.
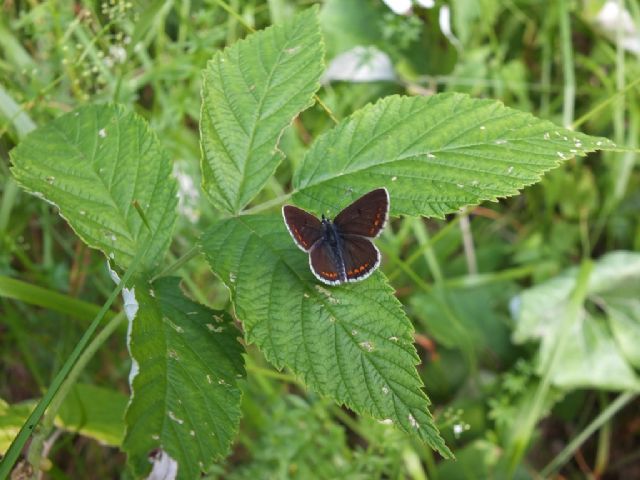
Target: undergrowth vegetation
158,321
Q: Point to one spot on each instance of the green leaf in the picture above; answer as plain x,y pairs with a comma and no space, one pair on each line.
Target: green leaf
95,412
251,92
12,417
624,318
92,164
352,343
434,154
594,357
185,398
593,360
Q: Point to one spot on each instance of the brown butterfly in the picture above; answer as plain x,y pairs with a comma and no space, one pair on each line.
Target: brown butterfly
341,250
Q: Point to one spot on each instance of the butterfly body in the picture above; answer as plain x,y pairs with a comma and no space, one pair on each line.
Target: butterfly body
335,243
341,250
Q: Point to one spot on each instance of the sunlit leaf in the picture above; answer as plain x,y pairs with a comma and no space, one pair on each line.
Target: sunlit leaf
352,343
251,92
185,400
434,154
92,164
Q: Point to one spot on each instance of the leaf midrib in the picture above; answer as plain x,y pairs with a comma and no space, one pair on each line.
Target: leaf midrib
329,308
258,114
97,177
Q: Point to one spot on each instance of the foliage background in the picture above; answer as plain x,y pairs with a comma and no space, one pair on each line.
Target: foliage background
558,60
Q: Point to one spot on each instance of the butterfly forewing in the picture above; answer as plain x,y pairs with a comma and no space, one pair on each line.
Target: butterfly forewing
366,216
305,229
360,256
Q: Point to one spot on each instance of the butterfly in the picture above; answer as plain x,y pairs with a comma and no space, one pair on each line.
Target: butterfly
341,250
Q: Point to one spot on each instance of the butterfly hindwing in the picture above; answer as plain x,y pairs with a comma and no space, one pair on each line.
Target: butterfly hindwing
360,256
305,229
366,216
324,264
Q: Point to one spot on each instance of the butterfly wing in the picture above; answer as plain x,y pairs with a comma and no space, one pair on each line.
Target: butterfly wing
305,229
325,265
360,256
366,216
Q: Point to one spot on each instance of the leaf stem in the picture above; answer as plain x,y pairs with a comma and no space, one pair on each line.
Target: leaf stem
471,281
325,108
268,204
235,15
430,242
467,243
422,236
138,208
191,253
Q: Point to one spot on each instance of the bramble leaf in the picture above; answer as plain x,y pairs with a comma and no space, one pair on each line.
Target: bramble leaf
92,164
434,154
352,343
251,91
185,401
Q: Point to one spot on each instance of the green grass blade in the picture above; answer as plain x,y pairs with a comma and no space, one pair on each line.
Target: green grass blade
43,297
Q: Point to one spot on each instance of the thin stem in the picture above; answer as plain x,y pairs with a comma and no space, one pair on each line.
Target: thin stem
325,108
568,66
283,377
268,204
427,245
604,442
235,15
468,281
422,236
42,297
36,449
9,197
424,286
177,265
604,104
467,242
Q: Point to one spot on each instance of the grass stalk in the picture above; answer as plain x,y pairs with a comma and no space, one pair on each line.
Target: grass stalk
37,446
567,452
45,298
568,65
